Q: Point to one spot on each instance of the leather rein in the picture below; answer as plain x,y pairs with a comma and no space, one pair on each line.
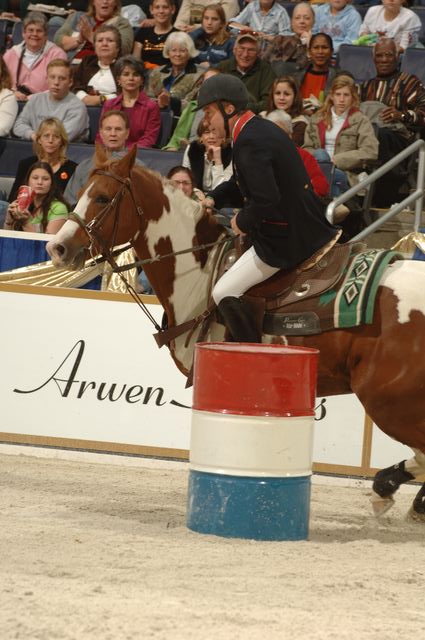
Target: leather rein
97,243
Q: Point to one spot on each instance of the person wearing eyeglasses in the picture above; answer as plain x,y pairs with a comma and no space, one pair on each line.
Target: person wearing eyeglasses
182,178
171,83
256,74
27,61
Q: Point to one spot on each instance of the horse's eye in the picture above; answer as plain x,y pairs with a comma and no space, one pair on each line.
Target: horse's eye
102,200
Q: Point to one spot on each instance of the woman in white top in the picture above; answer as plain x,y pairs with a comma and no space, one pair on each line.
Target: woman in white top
8,102
392,20
94,82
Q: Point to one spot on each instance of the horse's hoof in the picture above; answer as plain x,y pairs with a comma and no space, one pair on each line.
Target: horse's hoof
380,505
415,516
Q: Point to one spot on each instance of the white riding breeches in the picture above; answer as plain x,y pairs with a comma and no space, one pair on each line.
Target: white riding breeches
244,274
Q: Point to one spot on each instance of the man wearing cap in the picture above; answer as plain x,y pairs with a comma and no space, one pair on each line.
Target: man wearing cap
281,213
256,74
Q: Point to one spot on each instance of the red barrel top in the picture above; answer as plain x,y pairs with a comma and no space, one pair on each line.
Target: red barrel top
255,379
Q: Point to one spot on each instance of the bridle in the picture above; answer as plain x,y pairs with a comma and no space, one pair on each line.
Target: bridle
91,229
98,246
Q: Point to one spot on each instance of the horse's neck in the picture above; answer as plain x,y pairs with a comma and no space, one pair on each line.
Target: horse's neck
182,283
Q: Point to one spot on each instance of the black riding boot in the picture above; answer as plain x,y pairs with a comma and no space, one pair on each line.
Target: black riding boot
239,320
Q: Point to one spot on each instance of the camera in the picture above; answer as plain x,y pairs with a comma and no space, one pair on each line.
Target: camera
23,89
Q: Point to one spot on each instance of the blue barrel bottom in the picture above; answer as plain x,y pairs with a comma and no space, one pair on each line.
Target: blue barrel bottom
247,507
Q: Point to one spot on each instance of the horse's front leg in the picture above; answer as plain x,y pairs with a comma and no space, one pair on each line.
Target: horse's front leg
387,482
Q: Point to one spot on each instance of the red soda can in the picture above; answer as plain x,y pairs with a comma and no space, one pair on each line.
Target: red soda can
25,197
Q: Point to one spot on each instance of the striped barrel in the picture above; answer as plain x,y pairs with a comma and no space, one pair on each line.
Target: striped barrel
251,440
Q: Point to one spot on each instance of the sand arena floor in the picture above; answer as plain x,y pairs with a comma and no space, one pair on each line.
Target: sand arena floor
101,551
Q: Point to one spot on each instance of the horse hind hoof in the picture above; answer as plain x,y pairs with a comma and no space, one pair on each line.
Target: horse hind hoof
417,510
387,481
380,505
415,516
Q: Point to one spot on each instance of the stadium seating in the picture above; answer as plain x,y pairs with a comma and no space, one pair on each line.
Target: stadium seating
94,117
420,11
357,60
17,33
12,150
413,61
362,9
3,32
289,6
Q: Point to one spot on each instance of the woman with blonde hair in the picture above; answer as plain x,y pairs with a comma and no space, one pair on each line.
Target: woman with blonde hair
339,132
50,145
76,36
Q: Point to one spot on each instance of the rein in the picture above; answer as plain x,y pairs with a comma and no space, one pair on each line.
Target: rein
158,258
91,229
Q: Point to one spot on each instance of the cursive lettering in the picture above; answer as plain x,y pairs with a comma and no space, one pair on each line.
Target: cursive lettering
69,385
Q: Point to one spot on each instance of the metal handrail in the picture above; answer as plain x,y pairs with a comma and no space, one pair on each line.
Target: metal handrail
416,196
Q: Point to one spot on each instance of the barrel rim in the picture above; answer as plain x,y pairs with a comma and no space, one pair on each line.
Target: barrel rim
254,348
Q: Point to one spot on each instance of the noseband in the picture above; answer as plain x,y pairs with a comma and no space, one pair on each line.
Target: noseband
92,229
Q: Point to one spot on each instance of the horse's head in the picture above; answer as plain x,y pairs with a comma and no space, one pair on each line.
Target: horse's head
97,222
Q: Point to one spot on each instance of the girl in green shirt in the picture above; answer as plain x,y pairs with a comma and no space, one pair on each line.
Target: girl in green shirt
48,210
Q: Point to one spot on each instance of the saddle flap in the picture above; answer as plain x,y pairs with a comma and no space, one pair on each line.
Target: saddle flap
303,282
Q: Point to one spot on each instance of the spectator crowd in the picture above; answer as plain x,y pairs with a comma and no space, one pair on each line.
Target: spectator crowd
132,62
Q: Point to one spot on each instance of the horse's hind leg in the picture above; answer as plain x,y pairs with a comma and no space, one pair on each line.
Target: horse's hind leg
387,482
417,510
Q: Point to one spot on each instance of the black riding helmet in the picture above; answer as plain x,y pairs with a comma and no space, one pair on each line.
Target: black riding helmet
224,88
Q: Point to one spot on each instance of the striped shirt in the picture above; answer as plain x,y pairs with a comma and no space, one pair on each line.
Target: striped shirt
402,91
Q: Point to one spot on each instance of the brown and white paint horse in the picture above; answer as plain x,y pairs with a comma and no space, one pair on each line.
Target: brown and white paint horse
382,363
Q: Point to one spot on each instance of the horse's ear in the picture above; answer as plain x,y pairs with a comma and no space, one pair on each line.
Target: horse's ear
125,165
100,157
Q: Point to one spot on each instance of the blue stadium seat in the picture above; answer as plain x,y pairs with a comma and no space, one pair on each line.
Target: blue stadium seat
4,24
420,11
413,61
161,161
361,8
357,60
17,33
94,117
289,6
12,150
51,31
79,151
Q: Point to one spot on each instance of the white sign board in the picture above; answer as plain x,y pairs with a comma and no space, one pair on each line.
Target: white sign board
84,368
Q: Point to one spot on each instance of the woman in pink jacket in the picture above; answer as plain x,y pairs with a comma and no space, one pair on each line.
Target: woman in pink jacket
143,113
27,62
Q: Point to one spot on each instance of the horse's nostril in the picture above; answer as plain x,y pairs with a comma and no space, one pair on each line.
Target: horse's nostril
60,249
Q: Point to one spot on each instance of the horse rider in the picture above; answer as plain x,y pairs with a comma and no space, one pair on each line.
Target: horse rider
281,213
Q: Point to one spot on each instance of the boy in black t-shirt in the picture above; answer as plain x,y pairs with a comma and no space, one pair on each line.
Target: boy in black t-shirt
149,41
